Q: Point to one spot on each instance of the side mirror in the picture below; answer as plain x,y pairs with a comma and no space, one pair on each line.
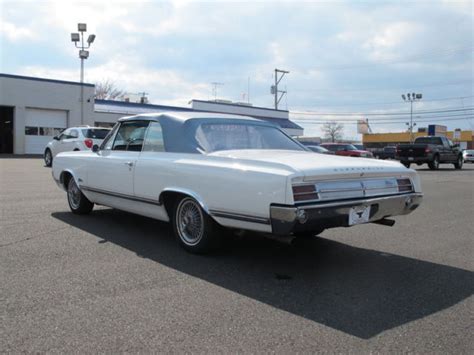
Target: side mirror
456,145
95,148
56,138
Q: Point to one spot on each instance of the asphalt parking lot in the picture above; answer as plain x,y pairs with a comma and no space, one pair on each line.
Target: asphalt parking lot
113,281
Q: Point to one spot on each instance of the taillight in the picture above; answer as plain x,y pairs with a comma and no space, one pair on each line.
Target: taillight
89,143
304,193
404,185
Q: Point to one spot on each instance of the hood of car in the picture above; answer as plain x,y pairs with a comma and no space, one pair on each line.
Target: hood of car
311,164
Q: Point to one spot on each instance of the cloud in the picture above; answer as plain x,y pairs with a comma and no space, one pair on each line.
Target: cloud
388,42
163,86
13,32
342,56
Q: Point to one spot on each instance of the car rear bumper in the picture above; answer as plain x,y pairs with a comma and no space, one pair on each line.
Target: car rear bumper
286,220
414,159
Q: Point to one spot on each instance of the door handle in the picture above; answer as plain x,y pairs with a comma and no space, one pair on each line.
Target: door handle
129,163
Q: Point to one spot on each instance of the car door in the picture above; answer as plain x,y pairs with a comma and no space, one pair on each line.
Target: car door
60,145
111,170
453,152
152,171
67,144
445,154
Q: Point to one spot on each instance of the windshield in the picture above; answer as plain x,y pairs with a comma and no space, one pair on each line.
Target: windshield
223,136
95,133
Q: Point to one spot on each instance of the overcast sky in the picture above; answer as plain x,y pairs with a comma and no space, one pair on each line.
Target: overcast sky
343,56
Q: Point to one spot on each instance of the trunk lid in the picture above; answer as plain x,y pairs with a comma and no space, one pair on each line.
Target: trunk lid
316,166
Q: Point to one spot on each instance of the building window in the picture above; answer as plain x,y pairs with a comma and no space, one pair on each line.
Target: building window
104,124
31,131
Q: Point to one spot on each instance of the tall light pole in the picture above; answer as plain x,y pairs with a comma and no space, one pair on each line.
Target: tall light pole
83,54
411,98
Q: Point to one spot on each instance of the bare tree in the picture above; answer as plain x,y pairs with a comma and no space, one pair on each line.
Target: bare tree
106,90
332,130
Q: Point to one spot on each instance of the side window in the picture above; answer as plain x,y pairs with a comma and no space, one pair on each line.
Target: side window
109,139
130,136
64,135
154,139
73,134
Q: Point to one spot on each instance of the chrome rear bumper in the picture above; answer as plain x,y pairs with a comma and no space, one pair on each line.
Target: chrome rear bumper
290,219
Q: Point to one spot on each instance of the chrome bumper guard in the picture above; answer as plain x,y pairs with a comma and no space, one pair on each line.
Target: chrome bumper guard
286,220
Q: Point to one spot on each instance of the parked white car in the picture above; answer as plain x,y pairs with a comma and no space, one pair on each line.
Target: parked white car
468,155
74,139
204,171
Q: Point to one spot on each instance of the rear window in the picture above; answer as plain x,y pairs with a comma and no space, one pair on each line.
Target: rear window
95,133
227,136
428,140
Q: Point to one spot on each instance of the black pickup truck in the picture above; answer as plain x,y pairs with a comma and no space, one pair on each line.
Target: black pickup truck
385,153
432,150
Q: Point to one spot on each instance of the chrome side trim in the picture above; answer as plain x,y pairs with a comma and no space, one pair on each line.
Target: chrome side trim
239,217
119,195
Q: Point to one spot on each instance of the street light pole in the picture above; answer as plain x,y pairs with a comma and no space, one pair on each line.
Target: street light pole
411,98
83,54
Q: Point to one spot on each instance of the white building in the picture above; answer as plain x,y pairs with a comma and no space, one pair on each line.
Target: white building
33,110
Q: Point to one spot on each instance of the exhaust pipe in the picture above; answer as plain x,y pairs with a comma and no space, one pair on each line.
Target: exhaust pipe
385,222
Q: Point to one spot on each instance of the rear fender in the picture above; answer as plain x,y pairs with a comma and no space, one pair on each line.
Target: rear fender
188,192
63,179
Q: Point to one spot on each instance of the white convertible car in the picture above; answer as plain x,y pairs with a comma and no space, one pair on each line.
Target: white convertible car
204,171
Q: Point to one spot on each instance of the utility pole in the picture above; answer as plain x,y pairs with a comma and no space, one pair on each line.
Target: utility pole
143,98
411,98
274,88
83,54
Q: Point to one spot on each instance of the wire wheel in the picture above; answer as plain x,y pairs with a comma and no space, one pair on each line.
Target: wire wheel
73,194
189,221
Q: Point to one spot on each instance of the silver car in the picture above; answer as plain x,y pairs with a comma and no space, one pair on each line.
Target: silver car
468,155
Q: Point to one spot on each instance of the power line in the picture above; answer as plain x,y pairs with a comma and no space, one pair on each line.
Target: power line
313,113
398,119
392,102
469,118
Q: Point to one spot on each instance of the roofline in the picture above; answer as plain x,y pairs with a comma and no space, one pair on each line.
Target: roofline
213,115
22,77
187,109
237,105
137,104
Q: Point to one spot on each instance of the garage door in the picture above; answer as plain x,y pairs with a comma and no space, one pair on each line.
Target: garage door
41,126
